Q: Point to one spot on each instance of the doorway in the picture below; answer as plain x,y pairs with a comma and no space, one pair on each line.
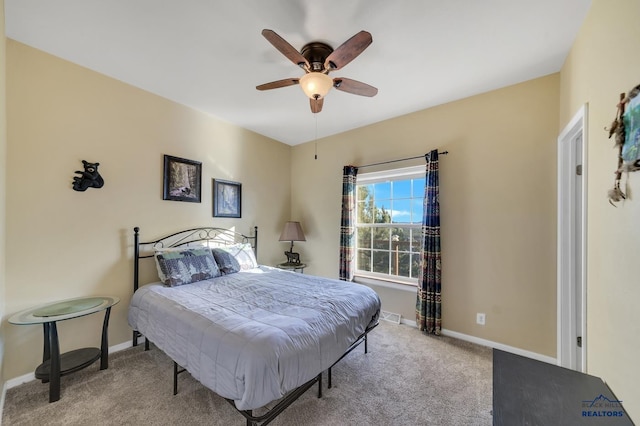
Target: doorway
572,239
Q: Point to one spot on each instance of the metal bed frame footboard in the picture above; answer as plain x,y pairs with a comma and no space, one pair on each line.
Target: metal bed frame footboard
217,237
361,339
292,396
289,399
271,413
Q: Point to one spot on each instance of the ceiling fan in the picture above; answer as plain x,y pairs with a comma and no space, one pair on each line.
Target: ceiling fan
318,59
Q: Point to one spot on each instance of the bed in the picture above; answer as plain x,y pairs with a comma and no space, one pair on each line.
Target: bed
251,333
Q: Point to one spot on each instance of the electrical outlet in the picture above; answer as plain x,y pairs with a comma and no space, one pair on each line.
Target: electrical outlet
480,318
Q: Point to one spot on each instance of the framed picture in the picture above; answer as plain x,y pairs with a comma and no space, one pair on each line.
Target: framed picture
182,179
227,198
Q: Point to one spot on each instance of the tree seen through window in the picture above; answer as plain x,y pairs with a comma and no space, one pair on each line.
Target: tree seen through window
388,227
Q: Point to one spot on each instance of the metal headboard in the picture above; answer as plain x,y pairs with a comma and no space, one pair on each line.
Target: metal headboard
210,235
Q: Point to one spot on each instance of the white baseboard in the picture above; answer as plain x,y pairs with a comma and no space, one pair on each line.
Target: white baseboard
11,383
408,322
2,397
490,344
502,347
120,347
17,381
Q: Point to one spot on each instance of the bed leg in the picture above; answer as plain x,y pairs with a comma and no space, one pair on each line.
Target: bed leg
250,422
320,385
329,378
134,341
146,344
175,378
366,349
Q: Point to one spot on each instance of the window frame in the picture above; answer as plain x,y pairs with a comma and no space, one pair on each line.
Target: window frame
398,174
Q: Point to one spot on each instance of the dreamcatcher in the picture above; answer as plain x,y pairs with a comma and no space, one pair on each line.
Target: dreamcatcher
626,129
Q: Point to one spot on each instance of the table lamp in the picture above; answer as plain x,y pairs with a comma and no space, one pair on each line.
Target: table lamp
292,232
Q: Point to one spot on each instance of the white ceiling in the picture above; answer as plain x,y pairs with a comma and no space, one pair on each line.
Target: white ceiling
210,55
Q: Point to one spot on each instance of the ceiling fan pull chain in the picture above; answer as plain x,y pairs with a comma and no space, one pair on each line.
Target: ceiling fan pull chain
316,138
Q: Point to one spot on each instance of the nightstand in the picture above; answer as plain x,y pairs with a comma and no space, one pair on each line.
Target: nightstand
54,364
295,267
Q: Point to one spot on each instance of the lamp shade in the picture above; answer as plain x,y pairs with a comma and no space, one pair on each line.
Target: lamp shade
292,232
316,84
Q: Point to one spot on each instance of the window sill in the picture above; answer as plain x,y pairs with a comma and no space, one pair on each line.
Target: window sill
360,279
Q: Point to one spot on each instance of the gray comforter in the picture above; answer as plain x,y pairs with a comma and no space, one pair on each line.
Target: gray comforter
254,335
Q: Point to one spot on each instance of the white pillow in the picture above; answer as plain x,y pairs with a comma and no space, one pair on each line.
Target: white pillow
243,253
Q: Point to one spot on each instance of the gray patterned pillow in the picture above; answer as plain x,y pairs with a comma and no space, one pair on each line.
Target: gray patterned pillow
226,261
178,267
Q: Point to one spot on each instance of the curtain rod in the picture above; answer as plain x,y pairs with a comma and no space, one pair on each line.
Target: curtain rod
401,159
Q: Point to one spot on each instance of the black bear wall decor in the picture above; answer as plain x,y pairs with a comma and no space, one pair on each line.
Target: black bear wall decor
89,177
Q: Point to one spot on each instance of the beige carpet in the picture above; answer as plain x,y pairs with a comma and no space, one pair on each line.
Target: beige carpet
407,378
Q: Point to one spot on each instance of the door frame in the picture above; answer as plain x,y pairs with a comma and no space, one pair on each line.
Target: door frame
569,252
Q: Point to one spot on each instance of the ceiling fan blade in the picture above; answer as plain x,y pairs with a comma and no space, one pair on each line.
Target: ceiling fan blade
355,87
285,48
278,84
316,105
348,51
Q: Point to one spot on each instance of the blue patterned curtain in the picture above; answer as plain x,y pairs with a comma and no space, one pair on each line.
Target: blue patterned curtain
428,312
347,229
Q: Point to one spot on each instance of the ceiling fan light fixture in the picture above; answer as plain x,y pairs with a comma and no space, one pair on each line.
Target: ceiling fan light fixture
316,84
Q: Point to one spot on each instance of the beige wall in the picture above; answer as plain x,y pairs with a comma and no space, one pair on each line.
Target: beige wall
602,64
62,243
497,196
3,162
498,207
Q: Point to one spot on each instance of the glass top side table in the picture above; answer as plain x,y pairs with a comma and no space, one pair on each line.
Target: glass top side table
292,266
54,365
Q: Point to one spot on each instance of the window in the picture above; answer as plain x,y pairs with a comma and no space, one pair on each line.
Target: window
388,225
